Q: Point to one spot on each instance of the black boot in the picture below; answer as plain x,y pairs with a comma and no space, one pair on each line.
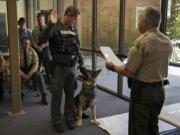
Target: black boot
71,124
85,115
59,127
44,100
22,96
1,98
1,87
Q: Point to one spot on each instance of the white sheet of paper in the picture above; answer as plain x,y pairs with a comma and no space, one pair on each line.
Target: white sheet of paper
171,114
109,55
118,124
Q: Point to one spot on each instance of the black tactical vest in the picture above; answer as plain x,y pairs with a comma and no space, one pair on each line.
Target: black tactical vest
64,45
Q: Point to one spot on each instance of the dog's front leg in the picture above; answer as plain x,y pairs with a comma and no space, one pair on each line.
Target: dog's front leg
79,116
93,110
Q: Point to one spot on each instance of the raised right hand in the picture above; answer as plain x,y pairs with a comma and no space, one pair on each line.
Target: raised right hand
53,16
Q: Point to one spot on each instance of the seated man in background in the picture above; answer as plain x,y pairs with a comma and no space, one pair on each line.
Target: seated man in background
2,70
29,67
1,76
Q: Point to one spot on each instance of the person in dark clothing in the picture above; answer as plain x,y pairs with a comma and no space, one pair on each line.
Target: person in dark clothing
1,77
64,47
42,50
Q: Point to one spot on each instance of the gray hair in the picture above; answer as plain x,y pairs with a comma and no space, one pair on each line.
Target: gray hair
153,16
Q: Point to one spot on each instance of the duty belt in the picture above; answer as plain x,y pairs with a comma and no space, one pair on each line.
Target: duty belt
151,84
137,83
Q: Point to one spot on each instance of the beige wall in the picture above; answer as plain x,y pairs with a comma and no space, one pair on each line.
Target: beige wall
3,7
64,4
85,23
46,4
108,23
131,17
20,9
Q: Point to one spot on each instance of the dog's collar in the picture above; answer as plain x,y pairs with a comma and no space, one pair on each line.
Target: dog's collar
90,86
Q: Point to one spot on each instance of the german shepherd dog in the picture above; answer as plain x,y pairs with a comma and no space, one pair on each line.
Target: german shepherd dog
86,98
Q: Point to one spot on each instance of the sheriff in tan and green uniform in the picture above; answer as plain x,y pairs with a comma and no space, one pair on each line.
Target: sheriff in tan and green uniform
149,61
147,67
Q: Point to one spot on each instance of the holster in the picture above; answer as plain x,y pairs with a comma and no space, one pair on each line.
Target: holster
136,90
52,67
53,64
129,81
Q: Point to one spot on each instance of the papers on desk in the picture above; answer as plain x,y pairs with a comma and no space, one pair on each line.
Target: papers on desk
110,56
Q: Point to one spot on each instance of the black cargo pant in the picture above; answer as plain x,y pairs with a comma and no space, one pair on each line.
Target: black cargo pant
63,78
45,58
39,82
1,84
145,105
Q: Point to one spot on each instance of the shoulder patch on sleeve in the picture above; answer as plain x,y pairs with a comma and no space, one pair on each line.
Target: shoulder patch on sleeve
134,48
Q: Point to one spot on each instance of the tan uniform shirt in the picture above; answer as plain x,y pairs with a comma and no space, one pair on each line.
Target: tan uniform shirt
32,59
149,57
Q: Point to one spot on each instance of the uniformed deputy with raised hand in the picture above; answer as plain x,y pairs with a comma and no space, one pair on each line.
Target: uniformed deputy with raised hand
64,46
147,66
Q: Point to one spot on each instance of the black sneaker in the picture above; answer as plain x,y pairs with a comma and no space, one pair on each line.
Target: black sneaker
44,100
1,98
59,127
71,124
22,96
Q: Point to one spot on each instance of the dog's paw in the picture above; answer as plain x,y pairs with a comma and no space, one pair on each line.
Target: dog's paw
95,122
79,123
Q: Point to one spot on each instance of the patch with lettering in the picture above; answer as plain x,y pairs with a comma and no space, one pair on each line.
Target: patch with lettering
134,48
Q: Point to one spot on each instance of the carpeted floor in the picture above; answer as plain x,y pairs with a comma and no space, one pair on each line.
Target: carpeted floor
37,120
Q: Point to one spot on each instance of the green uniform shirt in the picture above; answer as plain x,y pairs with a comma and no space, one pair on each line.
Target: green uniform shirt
35,36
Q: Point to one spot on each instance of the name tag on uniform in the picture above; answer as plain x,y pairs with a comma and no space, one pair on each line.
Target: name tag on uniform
68,32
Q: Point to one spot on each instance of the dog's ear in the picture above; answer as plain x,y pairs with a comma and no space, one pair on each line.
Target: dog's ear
83,70
82,77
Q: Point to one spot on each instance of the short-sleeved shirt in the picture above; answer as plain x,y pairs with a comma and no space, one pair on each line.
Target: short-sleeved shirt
32,59
25,33
35,35
149,56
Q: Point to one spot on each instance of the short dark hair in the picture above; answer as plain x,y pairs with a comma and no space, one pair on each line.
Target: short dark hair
21,19
40,15
72,11
153,16
24,38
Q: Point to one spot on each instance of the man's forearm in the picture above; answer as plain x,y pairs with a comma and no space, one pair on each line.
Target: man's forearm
119,69
123,71
21,73
33,69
